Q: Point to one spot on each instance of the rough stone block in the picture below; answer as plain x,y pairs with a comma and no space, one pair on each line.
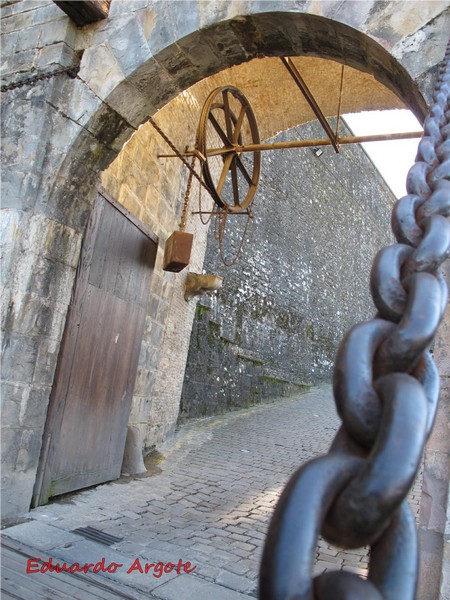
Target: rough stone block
130,104
17,489
47,357
10,445
179,66
18,63
154,82
430,561
226,45
19,358
9,43
29,452
130,47
108,127
58,30
9,228
55,241
100,70
13,398
201,52
435,491
139,408
76,100
18,22
133,463
47,13
35,408
27,39
56,54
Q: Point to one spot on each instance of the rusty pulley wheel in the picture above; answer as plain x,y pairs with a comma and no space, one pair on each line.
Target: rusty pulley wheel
226,121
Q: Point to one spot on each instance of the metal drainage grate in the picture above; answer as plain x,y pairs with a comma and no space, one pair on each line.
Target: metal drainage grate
97,536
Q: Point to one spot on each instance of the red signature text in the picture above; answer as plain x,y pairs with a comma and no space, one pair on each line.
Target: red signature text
34,565
159,568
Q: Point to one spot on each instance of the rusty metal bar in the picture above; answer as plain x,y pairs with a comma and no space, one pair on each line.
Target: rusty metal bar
355,139
338,118
301,84
212,212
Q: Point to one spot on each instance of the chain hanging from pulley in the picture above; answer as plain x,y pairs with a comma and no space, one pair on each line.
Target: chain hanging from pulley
221,216
178,247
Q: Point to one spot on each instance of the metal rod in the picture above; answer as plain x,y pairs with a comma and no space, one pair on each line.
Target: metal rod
213,212
339,105
356,139
301,84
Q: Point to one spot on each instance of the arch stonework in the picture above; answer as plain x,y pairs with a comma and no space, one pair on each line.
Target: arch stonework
60,133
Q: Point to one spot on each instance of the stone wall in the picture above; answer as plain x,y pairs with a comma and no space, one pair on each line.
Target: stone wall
300,283
153,190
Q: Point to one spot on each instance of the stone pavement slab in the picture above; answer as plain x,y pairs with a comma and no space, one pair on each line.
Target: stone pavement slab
187,587
42,535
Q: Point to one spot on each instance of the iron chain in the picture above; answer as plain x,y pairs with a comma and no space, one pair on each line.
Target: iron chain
386,389
187,194
71,71
178,154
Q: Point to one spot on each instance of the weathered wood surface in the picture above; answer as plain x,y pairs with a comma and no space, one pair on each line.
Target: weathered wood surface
89,408
83,12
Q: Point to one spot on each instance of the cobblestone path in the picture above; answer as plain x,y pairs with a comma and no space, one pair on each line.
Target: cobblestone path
208,501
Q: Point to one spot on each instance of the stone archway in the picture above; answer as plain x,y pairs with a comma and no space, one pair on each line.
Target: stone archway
150,83
131,100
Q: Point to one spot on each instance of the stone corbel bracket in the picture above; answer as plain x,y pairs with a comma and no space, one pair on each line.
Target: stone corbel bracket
197,284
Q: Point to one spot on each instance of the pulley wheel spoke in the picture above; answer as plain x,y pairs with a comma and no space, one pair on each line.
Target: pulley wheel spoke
220,131
238,126
226,108
226,167
234,181
243,170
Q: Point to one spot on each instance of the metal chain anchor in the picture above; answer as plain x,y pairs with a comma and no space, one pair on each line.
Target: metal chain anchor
386,389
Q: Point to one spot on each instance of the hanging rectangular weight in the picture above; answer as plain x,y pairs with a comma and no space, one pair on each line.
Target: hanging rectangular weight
177,251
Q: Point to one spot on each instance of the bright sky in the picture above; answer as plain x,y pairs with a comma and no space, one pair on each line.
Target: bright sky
393,159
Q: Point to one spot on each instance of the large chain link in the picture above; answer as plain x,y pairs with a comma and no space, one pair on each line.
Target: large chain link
386,389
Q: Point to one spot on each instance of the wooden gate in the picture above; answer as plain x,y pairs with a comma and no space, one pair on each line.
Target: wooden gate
85,432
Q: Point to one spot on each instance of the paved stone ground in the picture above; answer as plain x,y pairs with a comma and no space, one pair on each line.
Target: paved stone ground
207,500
